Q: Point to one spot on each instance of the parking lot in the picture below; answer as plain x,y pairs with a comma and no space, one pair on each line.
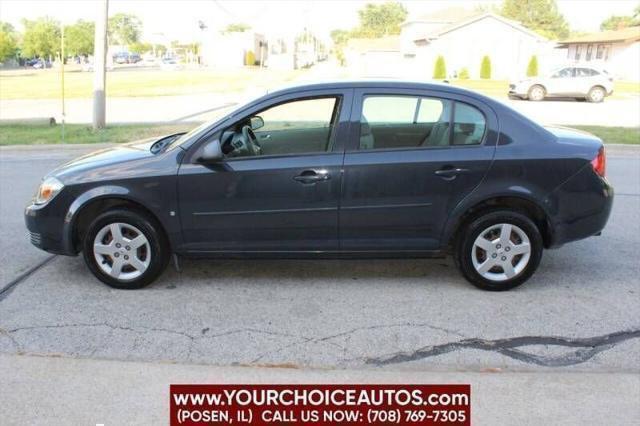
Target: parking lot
579,312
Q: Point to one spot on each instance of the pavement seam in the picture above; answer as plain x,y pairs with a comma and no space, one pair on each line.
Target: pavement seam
6,290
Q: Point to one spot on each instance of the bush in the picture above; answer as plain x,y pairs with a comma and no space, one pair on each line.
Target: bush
440,69
464,74
532,68
485,68
249,58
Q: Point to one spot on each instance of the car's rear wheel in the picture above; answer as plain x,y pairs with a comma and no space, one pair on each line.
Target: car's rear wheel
499,250
125,249
596,94
536,93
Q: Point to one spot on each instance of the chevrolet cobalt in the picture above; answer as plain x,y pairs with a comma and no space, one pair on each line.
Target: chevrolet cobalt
348,169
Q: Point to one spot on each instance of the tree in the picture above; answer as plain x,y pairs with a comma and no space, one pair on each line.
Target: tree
377,20
339,37
619,22
41,37
236,28
78,38
124,29
8,41
140,47
532,68
485,67
541,16
440,69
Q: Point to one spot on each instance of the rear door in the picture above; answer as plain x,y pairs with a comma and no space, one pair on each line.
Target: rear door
413,155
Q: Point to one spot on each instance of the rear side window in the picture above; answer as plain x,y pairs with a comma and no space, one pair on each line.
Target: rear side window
469,125
389,122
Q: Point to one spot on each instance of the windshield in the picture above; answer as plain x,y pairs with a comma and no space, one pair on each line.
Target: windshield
211,118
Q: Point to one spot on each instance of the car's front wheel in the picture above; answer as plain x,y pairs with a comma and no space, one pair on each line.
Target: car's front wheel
536,93
499,250
125,249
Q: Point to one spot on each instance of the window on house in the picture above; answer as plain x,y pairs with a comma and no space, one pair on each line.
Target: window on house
600,51
607,51
589,51
577,55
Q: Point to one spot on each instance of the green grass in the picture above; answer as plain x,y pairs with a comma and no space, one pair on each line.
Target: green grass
24,134
621,135
46,84
21,134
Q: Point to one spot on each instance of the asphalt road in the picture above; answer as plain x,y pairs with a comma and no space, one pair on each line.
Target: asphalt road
580,312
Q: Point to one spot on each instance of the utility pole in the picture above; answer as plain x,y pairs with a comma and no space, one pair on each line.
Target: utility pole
62,55
99,65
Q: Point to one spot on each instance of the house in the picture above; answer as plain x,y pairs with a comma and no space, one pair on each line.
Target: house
232,49
463,38
374,57
617,51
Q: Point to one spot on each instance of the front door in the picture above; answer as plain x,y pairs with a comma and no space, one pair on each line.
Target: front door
413,157
282,197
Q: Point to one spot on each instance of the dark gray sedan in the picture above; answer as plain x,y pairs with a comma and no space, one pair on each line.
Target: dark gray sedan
349,169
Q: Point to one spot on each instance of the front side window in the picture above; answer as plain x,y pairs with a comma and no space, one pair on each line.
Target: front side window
389,122
563,73
296,127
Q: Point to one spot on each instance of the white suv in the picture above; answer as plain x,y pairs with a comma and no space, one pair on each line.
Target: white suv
576,81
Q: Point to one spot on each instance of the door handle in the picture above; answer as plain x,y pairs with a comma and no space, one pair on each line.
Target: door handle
312,176
450,173
266,136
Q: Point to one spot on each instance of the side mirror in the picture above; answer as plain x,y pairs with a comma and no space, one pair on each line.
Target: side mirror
256,122
211,152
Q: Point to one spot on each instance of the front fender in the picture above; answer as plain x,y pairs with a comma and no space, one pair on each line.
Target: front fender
84,199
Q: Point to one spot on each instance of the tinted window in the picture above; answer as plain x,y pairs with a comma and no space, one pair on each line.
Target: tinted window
297,127
406,122
586,72
469,125
563,73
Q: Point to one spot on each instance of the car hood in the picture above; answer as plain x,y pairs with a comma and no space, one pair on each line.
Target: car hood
121,160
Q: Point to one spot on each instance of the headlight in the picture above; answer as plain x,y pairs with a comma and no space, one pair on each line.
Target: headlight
48,189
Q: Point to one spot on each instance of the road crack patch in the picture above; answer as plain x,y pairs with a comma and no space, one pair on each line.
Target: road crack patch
583,349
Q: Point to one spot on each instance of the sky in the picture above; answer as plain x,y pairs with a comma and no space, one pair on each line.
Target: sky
167,20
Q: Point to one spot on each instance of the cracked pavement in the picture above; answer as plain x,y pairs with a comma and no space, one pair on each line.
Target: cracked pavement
580,312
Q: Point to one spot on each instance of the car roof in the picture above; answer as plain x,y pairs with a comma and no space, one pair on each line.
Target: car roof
374,83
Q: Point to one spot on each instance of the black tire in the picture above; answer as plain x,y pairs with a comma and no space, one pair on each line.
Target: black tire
159,247
592,92
532,94
471,231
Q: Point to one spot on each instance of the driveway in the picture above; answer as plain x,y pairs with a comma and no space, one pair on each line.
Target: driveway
578,313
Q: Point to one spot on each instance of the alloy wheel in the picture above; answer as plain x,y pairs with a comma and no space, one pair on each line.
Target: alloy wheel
501,252
122,251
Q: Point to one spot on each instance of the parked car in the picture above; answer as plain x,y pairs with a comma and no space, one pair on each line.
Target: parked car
126,58
170,64
350,169
583,82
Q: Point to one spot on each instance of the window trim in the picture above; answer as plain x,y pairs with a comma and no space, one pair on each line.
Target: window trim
335,121
453,101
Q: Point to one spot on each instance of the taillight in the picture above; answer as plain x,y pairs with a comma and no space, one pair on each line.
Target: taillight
599,163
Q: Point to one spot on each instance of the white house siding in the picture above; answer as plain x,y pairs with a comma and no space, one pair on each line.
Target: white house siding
622,60
509,48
